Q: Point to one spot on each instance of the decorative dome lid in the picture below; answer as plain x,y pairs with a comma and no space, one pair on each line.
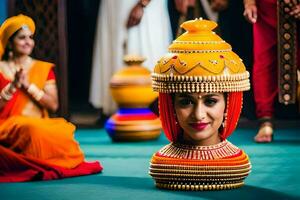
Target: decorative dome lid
133,73
200,61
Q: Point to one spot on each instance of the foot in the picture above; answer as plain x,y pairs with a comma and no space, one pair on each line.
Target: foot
265,133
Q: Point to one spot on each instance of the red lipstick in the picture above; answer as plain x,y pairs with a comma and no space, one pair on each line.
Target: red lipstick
199,126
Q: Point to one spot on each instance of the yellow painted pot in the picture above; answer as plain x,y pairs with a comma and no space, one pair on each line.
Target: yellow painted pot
131,86
132,90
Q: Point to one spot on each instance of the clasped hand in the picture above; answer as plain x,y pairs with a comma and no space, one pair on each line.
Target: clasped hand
21,79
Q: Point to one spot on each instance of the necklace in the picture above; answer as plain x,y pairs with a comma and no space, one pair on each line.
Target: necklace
14,65
17,64
218,151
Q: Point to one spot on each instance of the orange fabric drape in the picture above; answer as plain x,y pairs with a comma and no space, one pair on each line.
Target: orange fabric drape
172,129
167,116
233,110
37,75
51,140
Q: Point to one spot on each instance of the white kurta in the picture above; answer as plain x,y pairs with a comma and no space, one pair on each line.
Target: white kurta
150,39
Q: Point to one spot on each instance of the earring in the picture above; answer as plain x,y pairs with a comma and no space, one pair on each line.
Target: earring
223,125
175,117
224,120
176,122
10,54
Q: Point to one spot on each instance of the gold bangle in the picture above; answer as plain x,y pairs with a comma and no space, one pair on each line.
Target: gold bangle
32,89
36,93
39,95
6,93
5,96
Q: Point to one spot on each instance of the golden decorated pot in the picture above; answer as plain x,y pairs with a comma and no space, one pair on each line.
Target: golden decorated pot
131,86
132,90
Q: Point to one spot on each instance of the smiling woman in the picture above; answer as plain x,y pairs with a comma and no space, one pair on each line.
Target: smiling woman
200,115
32,146
200,84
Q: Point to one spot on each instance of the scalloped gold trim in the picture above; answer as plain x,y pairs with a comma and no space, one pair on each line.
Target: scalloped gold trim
221,83
200,180
199,51
181,78
198,42
192,176
189,167
198,187
182,171
213,152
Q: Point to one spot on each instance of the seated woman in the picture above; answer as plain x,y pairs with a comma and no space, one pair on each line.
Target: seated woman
200,84
32,146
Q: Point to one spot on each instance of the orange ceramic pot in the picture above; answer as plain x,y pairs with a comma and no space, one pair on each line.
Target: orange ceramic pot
131,86
132,90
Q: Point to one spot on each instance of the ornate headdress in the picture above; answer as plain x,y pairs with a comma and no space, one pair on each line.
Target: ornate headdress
11,25
200,61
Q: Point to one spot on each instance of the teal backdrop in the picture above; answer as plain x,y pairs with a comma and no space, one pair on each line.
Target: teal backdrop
3,10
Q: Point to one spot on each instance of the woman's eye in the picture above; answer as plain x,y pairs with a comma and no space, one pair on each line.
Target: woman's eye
210,101
185,102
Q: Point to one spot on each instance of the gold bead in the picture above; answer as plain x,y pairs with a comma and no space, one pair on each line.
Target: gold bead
286,86
287,36
287,56
286,46
286,77
286,97
187,187
192,187
286,25
287,67
201,187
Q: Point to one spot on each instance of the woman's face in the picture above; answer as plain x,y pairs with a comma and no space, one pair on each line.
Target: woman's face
200,115
23,43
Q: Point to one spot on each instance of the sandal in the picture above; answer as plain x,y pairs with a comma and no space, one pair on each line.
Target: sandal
265,132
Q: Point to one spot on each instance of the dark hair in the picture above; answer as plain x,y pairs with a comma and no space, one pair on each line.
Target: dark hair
7,49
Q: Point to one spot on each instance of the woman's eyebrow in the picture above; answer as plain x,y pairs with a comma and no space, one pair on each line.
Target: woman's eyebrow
211,95
186,95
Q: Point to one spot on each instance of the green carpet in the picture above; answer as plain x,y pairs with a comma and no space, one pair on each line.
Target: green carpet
275,172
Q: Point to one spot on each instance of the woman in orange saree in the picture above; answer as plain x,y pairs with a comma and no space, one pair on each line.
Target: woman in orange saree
32,145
